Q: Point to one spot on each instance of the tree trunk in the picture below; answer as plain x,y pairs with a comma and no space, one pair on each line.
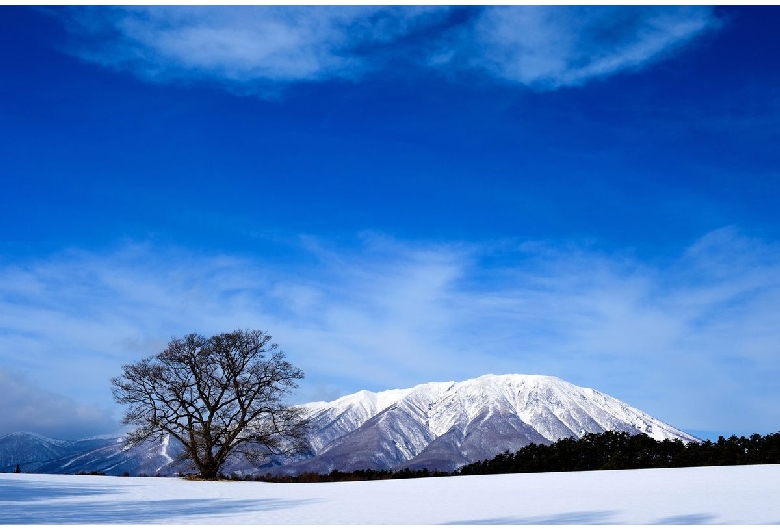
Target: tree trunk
209,470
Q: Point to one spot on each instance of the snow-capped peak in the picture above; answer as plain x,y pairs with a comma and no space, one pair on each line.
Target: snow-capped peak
467,420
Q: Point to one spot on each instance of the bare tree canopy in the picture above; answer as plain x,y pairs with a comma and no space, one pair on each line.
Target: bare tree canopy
219,397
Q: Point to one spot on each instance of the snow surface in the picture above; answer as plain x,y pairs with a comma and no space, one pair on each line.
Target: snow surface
707,495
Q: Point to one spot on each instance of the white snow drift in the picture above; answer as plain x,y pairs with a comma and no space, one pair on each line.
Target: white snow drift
707,495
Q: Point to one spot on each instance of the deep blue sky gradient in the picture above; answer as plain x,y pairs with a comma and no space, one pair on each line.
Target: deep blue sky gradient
649,159
638,165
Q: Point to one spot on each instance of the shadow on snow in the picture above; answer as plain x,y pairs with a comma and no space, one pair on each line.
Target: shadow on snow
49,491
561,518
576,518
20,504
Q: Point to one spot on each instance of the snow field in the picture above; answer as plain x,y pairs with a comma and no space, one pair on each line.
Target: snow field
709,495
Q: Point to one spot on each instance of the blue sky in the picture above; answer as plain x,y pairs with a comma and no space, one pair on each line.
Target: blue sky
398,195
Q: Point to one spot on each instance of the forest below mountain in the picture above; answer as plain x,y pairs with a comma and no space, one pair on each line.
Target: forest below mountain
607,450
620,450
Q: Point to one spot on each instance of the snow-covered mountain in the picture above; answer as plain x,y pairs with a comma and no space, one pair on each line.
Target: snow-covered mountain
108,454
435,425
446,425
30,449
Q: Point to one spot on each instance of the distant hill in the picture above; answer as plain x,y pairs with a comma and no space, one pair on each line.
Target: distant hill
107,454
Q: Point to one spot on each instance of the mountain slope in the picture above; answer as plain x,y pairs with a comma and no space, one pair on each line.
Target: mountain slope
435,425
28,450
108,454
445,425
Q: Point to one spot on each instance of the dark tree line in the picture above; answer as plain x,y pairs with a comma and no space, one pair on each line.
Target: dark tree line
350,476
620,450
607,450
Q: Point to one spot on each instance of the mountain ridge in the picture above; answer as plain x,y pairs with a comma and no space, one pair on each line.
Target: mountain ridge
437,425
448,424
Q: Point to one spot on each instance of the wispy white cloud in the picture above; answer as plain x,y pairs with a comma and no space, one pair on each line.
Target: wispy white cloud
550,47
692,340
246,48
254,49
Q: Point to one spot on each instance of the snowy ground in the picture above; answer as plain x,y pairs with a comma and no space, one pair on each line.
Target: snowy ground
745,494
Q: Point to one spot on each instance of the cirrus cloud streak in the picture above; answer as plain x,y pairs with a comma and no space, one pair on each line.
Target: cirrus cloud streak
257,49
693,340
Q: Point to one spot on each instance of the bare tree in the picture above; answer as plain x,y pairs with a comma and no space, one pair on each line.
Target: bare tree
219,397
